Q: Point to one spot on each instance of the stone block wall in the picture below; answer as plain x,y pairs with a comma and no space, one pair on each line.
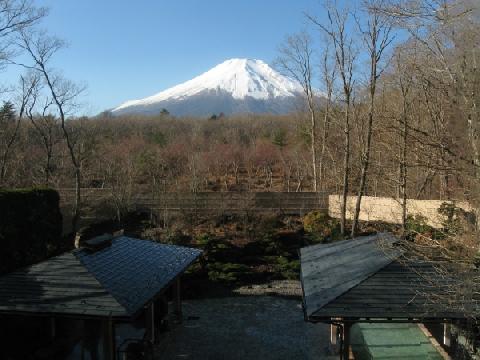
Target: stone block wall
389,210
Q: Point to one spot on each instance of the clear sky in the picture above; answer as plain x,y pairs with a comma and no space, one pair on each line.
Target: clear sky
124,49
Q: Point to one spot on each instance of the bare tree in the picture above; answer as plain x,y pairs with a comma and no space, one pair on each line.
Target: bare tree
295,60
16,16
377,37
328,78
438,26
345,57
10,122
404,82
45,124
41,48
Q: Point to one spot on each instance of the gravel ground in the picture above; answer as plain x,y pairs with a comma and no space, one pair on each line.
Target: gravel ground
245,327
290,288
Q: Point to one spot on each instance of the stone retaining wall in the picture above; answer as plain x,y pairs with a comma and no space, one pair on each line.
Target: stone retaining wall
390,210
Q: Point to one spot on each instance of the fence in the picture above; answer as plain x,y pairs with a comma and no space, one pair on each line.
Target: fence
293,203
289,202
95,202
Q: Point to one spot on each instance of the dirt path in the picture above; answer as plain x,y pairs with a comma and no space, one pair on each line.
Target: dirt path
248,327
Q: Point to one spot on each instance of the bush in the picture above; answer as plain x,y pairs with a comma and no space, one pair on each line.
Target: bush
227,272
417,225
213,249
265,237
210,243
288,269
176,237
455,219
320,227
267,227
30,226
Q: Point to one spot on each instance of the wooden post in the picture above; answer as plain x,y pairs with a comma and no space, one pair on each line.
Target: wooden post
150,322
109,340
346,341
53,328
447,334
333,334
177,299
114,341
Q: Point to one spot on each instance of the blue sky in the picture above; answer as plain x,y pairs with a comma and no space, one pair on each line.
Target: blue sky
131,49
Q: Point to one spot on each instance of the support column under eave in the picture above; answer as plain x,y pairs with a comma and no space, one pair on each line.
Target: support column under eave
177,299
333,335
53,328
109,339
150,322
447,334
346,341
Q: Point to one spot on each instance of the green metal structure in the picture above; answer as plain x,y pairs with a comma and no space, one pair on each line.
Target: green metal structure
391,341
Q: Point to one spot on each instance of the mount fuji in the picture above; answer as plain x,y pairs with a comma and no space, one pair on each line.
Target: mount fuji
234,86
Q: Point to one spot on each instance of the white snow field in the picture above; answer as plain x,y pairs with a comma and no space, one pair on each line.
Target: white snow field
236,85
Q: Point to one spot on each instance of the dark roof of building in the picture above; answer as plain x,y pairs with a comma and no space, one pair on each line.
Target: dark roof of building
59,285
329,270
116,281
370,278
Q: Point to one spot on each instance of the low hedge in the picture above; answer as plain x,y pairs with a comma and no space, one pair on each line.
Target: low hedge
30,226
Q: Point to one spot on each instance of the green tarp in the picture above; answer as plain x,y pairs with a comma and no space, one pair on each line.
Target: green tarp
391,341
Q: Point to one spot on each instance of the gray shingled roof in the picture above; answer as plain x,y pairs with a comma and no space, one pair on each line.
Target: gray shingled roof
329,270
116,281
401,291
367,277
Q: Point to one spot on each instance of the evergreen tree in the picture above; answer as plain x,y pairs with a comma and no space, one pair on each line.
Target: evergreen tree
7,113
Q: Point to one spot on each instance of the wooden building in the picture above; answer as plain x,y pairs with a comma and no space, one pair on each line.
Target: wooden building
80,302
371,280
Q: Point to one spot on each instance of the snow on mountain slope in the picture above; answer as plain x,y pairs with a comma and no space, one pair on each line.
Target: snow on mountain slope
234,85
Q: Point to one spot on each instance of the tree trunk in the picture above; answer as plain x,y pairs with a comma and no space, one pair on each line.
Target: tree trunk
346,166
404,173
314,147
324,144
6,153
47,167
366,155
76,209
403,164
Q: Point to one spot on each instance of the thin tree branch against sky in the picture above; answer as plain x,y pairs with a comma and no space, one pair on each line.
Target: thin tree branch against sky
124,50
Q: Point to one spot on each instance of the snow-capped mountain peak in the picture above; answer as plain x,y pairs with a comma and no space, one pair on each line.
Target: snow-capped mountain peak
242,79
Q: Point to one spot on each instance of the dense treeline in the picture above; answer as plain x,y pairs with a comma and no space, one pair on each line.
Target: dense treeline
238,153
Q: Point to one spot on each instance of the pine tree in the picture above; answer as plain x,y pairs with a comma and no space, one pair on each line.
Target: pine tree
7,113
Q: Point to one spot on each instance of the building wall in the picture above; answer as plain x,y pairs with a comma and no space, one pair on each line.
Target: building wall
390,210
